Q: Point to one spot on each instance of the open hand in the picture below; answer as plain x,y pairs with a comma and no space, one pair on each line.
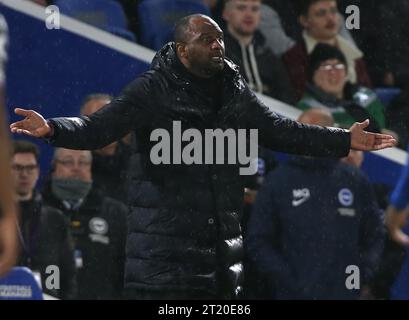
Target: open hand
33,124
368,141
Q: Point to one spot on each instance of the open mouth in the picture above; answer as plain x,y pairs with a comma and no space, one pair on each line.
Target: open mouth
217,59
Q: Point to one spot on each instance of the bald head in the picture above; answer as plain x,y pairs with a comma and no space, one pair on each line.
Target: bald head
186,26
315,116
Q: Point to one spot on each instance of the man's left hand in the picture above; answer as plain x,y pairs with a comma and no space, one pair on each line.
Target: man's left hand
368,141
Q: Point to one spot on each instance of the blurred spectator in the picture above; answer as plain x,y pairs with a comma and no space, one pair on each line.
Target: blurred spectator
44,232
109,164
329,88
279,25
394,252
271,28
266,162
367,35
399,208
397,117
390,42
321,22
245,45
98,224
305,230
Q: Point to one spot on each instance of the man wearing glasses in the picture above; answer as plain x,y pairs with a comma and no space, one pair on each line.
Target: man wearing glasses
43,231
98,224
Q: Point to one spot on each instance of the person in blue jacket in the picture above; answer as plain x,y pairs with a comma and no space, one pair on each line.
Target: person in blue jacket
313,222
398,209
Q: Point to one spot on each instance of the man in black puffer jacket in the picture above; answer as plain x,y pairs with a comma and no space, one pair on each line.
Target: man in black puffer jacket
184,238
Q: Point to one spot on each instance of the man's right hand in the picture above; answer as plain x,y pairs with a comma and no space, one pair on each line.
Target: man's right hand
33,124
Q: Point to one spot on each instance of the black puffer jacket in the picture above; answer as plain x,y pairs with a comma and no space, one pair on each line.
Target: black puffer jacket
184,223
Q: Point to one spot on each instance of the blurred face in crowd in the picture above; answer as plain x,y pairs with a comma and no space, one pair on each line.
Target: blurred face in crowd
242,16
331,77
25,171
317,116
322,21
73,164
93,106
203,52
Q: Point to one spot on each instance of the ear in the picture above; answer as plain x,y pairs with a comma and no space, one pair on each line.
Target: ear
181,50
302,19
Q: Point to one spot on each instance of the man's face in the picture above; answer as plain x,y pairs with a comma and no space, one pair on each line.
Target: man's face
204,51
243,16
322,20
331,76
25,173
73,164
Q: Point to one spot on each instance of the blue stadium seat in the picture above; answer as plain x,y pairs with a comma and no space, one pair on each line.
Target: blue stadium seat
104,14
157,19
20,284
387,94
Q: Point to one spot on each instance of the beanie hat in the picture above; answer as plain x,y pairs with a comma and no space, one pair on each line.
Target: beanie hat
321,53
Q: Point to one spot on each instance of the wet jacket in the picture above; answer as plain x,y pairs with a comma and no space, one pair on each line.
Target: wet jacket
312,219
184,221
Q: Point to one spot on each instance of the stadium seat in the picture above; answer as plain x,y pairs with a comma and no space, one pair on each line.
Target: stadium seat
157,19
386,94
20,284
104,14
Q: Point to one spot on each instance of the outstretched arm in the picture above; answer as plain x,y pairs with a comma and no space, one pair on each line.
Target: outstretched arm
126,112
283,134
